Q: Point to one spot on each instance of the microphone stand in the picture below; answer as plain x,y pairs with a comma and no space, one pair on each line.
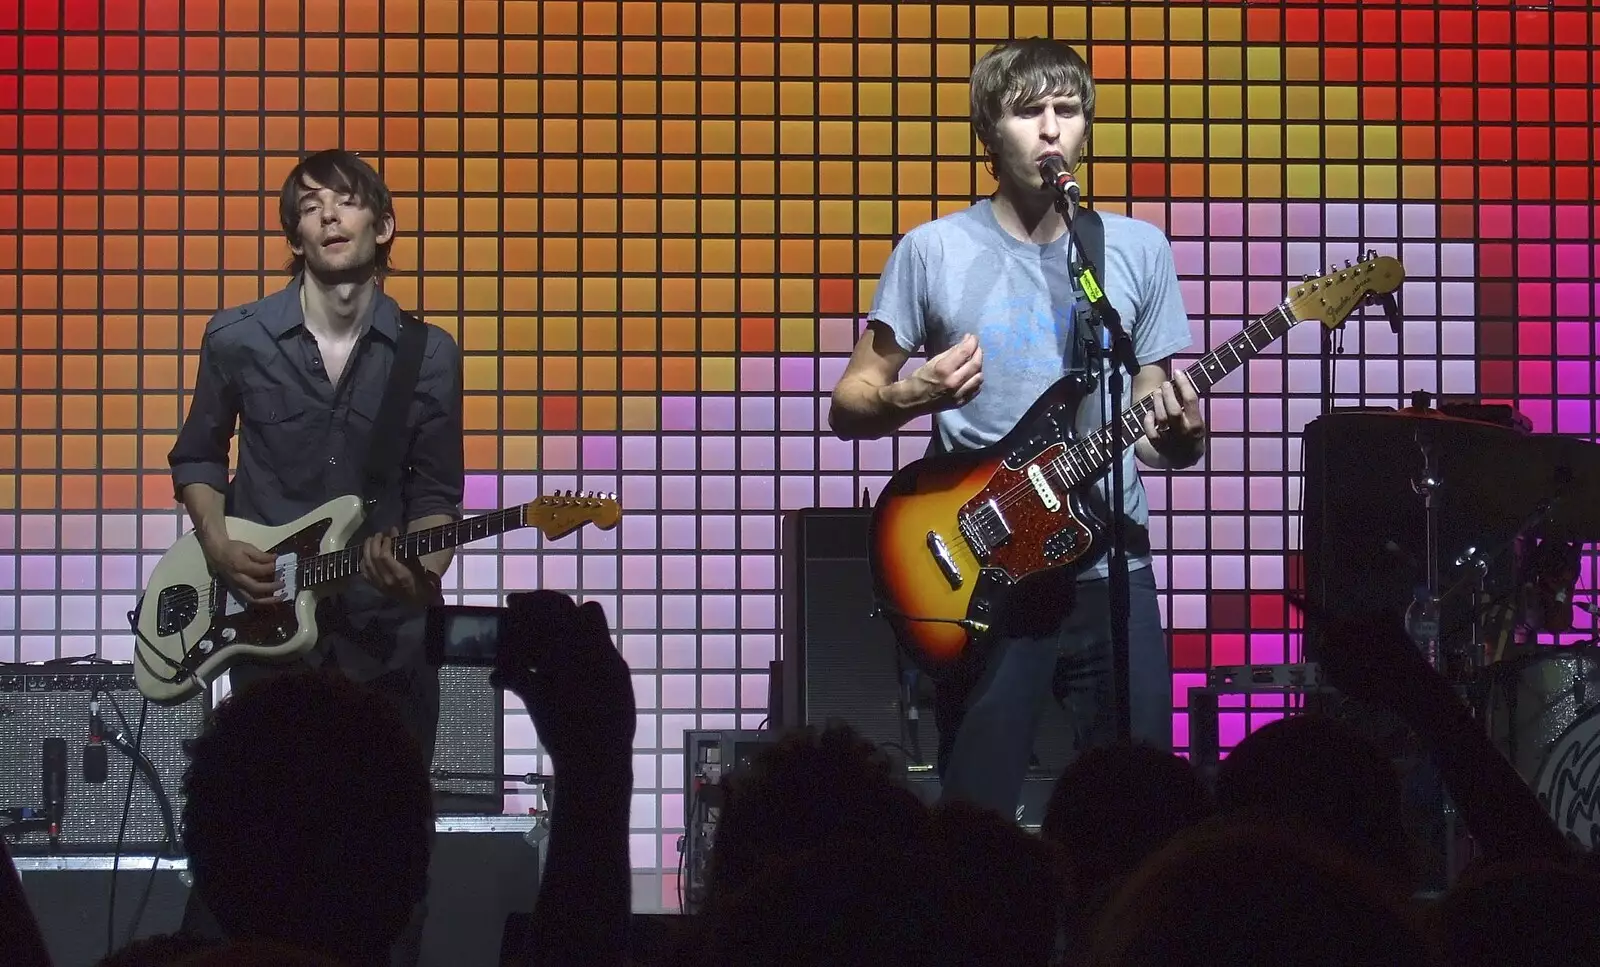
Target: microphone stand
1123,360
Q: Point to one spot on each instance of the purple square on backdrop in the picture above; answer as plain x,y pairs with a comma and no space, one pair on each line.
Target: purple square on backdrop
39,613
758,612
79,532
678,691
719,651
1188,218
756,414
754,692
479,571
717,691
481,493
599,452
718,413
678,453
679,651
680,572
1266,221
758,453
837,335
39,532
718,453
757,492
1572,300
638,610
678,492
679,611
1342,220
757,532
798,374
837,490
520,571
78,573
8,532
1380,221
1225,258
640,532
757,651
758,572
679,532
717,493
599,572
797,413
1419,221
718,532
78,613
719,611
559,453
560,571
679,413
755,376
835,454
878,454
797,492
1189,257
1265,258
638,453
39,572
639,493
797,453
119,572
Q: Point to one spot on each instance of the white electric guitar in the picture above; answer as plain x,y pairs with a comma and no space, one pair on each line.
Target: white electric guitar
192,626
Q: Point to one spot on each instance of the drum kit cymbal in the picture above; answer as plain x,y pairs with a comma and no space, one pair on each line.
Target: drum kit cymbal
1534,499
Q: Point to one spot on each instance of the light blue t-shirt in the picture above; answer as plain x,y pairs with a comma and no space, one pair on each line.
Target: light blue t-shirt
964,273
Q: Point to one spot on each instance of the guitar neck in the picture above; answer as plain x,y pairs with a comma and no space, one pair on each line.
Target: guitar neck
337,565
1093,453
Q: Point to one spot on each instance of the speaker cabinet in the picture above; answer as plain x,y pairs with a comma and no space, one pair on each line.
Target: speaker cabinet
51,701
841,661
469,744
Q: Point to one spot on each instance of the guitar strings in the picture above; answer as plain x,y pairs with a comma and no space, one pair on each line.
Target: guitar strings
1018,492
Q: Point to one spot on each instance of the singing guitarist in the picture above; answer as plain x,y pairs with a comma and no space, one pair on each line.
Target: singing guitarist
987,293
301,375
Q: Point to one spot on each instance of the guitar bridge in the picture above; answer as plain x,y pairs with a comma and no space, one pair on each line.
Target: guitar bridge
941,556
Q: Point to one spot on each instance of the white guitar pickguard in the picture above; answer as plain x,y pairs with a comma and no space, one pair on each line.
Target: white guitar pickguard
288,568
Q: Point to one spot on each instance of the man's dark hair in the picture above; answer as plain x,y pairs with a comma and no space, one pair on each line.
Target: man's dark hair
308,816
345,172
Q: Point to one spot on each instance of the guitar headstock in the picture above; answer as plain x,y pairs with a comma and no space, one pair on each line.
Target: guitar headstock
1334,296
560,514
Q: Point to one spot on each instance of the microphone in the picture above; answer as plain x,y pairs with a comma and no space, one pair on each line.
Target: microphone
1055,174
94,754
55,785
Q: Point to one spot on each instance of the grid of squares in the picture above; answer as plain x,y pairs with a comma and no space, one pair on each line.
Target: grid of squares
654,227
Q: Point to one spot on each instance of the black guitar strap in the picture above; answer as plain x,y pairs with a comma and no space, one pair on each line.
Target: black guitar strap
387,447
1091,232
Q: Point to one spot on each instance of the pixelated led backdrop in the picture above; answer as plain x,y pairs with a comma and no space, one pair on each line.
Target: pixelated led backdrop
654,228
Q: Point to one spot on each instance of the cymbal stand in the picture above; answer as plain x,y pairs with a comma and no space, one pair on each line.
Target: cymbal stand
1422,615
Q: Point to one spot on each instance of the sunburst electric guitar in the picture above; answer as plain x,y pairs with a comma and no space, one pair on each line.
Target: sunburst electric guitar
954,536
191,626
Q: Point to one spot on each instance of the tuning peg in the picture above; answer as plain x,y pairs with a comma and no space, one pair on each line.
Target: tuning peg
1347,263
1307,277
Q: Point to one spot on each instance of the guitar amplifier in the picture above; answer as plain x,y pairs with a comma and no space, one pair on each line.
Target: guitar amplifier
841,661
469,744
41,703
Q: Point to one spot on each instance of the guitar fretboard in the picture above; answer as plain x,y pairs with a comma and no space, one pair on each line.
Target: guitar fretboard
337,565
1086,458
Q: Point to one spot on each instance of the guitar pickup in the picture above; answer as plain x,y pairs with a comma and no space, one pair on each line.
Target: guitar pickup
941,556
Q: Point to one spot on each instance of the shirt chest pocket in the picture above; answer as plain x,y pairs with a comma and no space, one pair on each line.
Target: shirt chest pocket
280,428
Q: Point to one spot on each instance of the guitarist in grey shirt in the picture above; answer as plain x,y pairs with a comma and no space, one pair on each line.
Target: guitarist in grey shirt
988,294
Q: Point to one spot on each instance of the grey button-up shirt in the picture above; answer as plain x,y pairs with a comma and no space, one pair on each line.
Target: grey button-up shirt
304,440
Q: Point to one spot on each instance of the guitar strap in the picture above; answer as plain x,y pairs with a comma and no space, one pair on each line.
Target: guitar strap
386,449
1091,233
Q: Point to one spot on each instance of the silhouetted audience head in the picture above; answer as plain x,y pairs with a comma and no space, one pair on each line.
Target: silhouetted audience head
1117,804
805,792
259,953
840,903
1525,913
1225,896
308,817
1322,776
1004,889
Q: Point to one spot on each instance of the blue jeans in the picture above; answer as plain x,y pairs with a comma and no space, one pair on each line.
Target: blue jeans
986,729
